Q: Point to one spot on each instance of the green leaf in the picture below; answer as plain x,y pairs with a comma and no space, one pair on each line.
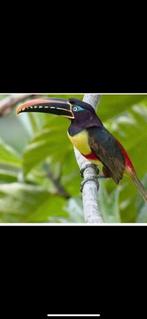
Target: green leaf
113,105
109,204
27,203
53,207
51,142
142,217
8,155
71,178
130,129
8,176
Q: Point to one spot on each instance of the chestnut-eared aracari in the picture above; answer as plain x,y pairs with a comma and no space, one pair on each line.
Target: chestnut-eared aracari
88,134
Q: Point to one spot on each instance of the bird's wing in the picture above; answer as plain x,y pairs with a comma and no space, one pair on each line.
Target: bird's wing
106,148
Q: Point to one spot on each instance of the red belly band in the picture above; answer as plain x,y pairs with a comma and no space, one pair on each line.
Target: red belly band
91,156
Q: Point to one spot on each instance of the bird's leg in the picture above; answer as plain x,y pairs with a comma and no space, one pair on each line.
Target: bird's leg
91,178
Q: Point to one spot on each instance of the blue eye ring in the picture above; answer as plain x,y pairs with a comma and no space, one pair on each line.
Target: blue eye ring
75,108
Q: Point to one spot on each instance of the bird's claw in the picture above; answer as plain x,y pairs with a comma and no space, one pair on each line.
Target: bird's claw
87,166
88,179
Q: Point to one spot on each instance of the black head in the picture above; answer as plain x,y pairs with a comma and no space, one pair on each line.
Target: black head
80,106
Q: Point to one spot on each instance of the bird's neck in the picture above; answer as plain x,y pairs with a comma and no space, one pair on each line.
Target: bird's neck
80,124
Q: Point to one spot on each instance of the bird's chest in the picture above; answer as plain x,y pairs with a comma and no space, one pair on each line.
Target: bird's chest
80,141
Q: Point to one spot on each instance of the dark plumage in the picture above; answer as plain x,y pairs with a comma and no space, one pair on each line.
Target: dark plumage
104,145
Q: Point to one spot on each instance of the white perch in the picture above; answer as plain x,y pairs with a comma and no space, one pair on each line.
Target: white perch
90,189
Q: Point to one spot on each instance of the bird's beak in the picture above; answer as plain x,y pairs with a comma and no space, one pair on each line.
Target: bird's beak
54,106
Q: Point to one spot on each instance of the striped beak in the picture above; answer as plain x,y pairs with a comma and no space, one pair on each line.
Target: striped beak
54,106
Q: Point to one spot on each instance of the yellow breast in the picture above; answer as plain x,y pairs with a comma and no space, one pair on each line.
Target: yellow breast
80,141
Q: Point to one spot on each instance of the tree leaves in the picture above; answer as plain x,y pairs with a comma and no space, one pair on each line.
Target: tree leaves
109,204
7,175
28,203
113,105
51,143
8,156
130,129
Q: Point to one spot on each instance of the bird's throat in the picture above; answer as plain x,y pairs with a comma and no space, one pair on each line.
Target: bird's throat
80,141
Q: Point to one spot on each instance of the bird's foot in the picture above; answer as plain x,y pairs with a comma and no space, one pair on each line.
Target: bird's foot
87,166
90,178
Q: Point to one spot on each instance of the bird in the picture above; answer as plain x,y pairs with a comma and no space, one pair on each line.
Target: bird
88,134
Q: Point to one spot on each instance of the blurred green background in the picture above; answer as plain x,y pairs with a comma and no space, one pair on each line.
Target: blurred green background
40,179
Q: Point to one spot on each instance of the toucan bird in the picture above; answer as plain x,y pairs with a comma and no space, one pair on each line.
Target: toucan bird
88,134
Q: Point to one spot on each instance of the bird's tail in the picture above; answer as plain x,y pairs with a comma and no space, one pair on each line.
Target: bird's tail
129,168
140,187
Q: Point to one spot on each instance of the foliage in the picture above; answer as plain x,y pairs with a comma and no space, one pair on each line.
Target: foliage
39,177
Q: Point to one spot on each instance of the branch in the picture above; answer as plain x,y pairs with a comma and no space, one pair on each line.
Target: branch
91,209
59,188
9,102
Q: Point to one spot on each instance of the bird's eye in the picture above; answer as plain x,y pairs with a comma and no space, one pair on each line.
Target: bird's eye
75,108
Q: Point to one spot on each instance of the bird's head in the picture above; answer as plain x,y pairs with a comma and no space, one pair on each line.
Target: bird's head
72,108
